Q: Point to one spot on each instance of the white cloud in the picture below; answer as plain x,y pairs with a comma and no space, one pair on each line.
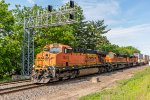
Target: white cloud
31,1
130,31
65,1
137,36
98,9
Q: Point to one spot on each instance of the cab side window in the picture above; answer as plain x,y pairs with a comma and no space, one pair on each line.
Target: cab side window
111,55
67,50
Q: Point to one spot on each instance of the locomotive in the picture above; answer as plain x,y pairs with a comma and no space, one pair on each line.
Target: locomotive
59,62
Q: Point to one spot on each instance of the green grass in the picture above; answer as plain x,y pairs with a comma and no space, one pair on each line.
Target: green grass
6,79
135,88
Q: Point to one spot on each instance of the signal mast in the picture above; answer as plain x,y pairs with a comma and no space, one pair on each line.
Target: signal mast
43,19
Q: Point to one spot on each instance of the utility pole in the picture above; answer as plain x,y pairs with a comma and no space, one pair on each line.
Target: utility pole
43,19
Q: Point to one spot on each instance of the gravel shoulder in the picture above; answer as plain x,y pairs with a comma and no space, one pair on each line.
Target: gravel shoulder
75,88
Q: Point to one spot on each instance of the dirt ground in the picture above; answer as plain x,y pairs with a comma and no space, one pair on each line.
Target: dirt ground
107,80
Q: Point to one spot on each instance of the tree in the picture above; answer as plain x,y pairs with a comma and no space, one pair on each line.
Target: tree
110,48
10,45
129,50
10,55
89,34
6,19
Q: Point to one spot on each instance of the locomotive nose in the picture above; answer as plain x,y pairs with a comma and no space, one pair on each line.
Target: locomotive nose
45,59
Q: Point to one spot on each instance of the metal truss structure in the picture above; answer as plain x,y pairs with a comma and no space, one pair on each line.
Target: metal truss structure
42,19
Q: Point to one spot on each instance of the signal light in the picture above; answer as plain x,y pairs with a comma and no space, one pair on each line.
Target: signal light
50,8
71,16
71,4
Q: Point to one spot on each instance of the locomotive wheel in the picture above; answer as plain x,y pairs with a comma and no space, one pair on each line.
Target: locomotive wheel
60,78
101,70
74,74
109,68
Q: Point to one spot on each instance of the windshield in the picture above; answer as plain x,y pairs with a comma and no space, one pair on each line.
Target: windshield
111,55
55,50
46,49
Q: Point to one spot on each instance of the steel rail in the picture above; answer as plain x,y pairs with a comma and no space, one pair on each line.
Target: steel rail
13,82
19,88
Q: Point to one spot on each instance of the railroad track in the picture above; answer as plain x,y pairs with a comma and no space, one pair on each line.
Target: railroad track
9,90
19,88
14,82
14,89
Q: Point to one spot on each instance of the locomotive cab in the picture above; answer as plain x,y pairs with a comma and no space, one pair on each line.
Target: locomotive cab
47,58
110,57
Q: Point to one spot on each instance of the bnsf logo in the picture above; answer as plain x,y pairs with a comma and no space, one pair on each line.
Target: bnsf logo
90,59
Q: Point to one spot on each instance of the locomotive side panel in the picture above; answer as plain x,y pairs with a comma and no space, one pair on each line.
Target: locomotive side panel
76,59
70,59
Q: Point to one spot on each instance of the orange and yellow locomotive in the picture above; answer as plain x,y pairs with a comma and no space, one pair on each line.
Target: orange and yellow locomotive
58,61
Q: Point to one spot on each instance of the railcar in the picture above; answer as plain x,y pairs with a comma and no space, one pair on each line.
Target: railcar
59,62
142,59
146,59
117,61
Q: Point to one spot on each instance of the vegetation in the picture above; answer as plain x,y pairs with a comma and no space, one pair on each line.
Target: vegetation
135,88
89,34
85,34
129,50
9,44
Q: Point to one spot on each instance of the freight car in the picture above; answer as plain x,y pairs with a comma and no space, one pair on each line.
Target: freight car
146,59
59,62
142,59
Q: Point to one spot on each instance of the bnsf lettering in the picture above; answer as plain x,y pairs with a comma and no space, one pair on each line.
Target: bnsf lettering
90,59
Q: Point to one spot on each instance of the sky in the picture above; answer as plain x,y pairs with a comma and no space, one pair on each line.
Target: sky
129,20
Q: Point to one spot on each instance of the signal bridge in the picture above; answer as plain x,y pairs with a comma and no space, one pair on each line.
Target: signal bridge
44,19
55,18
